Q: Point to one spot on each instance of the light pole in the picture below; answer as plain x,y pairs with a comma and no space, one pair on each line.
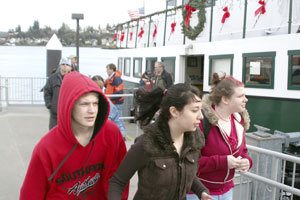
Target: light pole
77,16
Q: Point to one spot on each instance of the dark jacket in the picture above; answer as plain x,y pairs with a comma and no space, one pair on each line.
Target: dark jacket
51,91
166,78
162,173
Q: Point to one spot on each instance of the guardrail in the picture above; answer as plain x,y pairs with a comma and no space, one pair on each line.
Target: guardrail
255,185
28,91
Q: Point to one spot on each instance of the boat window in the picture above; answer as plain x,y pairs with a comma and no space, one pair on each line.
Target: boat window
137,67
207,3
120,64
294,70
127,63
170,5
258,69
221,64
169,65
150,64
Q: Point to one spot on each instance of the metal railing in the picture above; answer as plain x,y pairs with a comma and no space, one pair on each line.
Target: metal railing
29,90
21,90
257,185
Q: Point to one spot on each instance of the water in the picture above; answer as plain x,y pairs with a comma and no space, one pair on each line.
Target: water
29,61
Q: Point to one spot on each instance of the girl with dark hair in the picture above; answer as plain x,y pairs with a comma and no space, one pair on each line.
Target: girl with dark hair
225,146
166,155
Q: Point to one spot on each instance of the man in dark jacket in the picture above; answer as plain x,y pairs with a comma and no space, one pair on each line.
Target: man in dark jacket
162,79
52,87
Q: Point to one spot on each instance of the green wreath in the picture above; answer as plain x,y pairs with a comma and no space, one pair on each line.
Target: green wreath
190,32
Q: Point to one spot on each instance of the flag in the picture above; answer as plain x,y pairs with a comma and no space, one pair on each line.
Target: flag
136,13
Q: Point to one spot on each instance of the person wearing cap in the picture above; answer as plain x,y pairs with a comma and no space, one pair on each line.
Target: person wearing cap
52,87
74,62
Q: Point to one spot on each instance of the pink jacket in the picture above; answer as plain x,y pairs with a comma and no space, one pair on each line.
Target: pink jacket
213,169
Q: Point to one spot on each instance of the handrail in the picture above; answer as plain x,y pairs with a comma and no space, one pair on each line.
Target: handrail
274,153
272,182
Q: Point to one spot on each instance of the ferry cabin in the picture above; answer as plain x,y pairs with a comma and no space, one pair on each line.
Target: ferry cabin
261,50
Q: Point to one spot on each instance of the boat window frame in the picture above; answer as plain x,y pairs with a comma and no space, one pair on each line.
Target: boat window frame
163,59
218,57
120,64
169,5
152,67
125,66
140,67
290,54
261,55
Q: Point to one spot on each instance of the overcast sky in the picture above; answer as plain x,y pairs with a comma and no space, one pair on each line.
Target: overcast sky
54,12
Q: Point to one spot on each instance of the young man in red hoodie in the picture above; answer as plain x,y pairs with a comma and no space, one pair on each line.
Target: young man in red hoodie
76,159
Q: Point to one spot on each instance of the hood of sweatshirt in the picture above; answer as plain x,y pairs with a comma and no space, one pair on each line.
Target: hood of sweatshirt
75,85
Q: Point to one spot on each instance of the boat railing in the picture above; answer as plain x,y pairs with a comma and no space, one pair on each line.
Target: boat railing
245,26
269,178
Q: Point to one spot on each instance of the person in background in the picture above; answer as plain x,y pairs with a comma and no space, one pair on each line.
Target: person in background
76,159
74,62
114,86
146,82
162,78
114,114
52,87
166,155
225,147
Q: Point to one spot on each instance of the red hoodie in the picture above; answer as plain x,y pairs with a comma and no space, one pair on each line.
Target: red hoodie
87,169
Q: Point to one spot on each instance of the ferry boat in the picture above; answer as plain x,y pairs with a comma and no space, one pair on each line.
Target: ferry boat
256,41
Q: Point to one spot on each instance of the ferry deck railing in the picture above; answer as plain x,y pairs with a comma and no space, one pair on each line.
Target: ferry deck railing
254,185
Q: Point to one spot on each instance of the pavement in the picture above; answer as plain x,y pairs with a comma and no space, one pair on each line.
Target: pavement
21,127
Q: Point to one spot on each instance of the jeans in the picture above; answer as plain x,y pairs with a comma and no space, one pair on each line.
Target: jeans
226,196
121,122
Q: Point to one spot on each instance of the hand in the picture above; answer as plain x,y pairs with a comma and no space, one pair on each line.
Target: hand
233,162
244,166
205,196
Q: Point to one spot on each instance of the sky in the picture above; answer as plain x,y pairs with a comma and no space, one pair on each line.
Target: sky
55,12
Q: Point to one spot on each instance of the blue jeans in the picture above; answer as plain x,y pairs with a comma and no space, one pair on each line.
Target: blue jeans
121,122
226,196
191,197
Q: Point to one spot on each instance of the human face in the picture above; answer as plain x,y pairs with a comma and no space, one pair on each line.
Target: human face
158,69
85,111
65,69
100,84
109,71
237,101
189,118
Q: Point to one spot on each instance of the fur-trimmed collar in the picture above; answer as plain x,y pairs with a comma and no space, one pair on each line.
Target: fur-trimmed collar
157,140
213,119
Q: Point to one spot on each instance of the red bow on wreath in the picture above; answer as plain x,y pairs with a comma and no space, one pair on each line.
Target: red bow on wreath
154,31
122,36
225,15
140,35
189,9
262,9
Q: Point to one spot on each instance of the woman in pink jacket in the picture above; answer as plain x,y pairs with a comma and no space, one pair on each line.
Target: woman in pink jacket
225,149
